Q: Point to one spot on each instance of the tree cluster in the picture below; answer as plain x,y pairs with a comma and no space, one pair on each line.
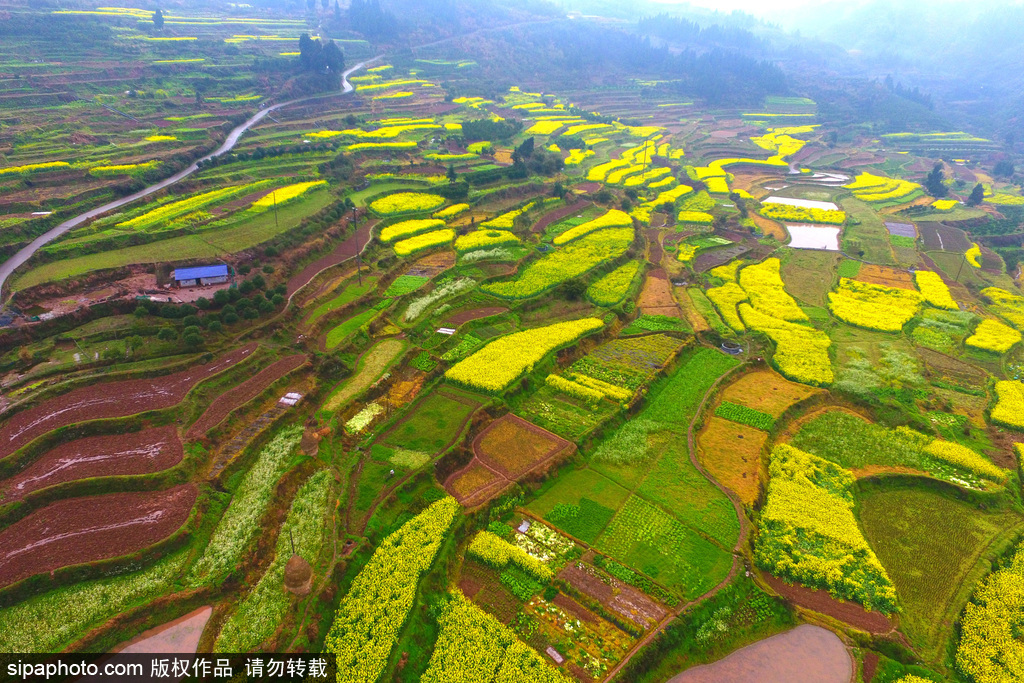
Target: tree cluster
320,56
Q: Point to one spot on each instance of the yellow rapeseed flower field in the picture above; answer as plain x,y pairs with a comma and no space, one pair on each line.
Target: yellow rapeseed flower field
496,366
872,306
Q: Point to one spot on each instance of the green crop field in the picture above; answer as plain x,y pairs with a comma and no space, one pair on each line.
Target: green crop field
601,350
913,531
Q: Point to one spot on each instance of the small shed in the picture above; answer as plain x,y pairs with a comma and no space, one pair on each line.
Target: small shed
201,275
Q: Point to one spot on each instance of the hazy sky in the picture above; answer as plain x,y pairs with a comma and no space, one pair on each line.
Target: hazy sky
762,8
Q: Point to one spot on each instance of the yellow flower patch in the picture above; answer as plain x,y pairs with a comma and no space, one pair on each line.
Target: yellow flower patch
872,306
496,366
427,240
992,335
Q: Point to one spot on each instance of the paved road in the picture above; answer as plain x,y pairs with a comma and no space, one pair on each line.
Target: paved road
8,266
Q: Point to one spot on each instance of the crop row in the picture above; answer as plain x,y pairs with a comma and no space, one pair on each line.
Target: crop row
1009,408
564,264
499,553
744,415
260,613
240,522
613,287
801,214
485,239
370,616
612,219
808,533
427,240
801,351
474,646
767,293
989,649
496,366
168,212
405,202
994,336
934,290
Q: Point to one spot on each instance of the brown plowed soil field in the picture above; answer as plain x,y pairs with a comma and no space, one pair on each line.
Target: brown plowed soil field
656,296
557,215
432,265
81,530
885,276
149,450
113,399
243,393
767,391
820,601
654,250
473,314
731,452
939,236
513,446
506,450
616,596
351,246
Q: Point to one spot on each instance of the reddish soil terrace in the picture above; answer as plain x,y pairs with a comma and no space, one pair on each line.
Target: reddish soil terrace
81,530
114,399
351,246
656,296
149,450
821,601
618,597
506,450
473,314
557,215
243,393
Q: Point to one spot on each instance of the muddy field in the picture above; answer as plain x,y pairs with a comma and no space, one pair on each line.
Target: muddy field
886,276
620,598
80,530
242,394
351,246
807,654
473,314
506,450
557,215
512,446
943,237
113,399
656,296
179,637
821,601
149,450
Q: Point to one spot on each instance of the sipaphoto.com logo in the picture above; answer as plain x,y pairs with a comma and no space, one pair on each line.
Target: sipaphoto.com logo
61,669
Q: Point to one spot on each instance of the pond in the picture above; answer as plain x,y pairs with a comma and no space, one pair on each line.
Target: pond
821,237
807,654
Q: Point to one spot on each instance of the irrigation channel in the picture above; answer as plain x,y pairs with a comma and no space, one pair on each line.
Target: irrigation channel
10,265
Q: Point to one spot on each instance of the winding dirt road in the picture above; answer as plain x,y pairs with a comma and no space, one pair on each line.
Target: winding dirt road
8,267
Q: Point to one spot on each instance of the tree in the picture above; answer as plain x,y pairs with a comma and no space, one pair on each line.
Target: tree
977,195
158,19
1004,169
935,182
574,290
558,190
452,176
166,334
525,150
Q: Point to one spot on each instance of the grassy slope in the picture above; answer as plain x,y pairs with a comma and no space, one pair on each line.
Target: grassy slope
203,245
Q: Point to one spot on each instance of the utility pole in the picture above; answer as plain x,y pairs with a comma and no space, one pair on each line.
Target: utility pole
273,195
957,278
